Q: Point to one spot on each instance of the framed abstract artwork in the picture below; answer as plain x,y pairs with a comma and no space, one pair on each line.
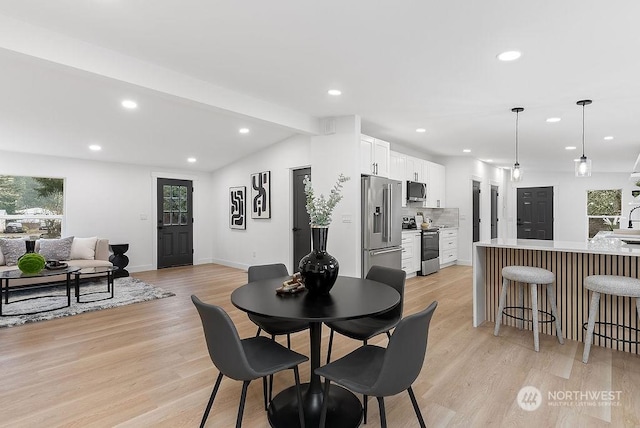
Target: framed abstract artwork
261,195
237,207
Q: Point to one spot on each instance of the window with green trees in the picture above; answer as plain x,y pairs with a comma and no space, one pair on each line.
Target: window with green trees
31,206
604,208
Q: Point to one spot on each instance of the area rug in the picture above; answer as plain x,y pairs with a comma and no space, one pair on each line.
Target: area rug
127,291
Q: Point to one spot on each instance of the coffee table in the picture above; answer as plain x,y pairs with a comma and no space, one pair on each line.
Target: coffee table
107,271
16,274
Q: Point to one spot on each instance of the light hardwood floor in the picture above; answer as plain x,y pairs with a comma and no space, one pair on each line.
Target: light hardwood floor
146,365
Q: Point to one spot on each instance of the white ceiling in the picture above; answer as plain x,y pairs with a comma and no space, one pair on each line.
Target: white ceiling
401,65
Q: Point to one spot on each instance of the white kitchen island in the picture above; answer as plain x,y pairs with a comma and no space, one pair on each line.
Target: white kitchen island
571,262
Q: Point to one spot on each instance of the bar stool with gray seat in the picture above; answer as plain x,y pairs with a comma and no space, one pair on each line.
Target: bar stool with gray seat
533,276
616,286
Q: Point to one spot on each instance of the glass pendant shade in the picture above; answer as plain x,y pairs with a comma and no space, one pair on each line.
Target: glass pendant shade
516,172
583,167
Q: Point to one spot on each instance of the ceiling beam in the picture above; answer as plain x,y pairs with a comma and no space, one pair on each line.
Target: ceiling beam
41,43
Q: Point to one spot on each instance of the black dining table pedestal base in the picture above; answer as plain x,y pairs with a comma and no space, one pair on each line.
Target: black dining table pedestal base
344,410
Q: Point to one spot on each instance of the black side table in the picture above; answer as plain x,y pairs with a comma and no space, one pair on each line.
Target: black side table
119,259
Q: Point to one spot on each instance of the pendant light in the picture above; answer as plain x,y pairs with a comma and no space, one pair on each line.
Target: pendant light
583,165
516,172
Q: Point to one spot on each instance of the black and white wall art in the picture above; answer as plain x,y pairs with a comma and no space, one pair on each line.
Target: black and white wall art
261,195
237,207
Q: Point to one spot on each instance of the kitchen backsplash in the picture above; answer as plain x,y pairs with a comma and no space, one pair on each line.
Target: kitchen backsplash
439,216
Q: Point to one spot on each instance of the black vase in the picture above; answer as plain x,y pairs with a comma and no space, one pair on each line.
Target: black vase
319,269
30,246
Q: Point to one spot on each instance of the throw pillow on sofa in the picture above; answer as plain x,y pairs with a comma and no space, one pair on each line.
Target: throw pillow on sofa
56,249
12,249
83,248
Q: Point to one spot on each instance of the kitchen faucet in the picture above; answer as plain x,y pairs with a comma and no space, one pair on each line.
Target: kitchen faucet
631,221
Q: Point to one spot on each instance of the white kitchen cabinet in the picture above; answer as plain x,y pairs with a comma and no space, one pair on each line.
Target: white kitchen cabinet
417,252
435,185
397,171
411,241
407,253
374,156
416,170
448,246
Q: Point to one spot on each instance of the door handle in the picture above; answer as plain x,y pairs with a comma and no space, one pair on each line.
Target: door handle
376,253
295,229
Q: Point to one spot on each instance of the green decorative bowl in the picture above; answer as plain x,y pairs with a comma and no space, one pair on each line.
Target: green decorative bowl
31,263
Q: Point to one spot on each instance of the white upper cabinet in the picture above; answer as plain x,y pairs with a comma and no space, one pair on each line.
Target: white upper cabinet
397,171
416,170
435,186
374,156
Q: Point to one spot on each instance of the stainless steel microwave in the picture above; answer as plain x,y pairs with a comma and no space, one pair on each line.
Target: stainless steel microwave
416,191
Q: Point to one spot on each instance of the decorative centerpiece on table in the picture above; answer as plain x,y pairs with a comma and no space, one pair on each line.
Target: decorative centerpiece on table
31,262
319,269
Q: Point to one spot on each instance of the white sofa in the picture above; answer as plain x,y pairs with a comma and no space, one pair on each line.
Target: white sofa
101,258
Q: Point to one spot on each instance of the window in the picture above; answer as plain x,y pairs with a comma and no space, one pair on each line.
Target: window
174,207
31,206
604,208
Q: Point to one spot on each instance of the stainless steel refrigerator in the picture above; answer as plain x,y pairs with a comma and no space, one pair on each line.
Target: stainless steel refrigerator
381,223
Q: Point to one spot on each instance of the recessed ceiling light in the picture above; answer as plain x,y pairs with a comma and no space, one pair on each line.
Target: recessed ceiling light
467,150
570,148
95,147
553,119
608,137
130,104
509,56
191,160
334,92
421,130
243,130
488,160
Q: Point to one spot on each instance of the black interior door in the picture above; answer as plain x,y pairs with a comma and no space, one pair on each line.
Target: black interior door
175,222
535,213
476,211
301,228
494,212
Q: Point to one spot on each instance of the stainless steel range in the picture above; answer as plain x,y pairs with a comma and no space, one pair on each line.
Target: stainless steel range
430,251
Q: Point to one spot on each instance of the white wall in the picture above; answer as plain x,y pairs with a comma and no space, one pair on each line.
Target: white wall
270,241
460,174
570,200
107,200
263,241
332,155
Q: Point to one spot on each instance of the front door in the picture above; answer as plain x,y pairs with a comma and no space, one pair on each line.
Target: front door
175,222
301,228
535,213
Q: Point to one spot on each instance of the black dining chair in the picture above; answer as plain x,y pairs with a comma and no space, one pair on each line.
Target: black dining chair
273,326
243,359
382,372
368,327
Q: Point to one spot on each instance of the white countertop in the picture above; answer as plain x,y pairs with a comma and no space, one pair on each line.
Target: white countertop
600,245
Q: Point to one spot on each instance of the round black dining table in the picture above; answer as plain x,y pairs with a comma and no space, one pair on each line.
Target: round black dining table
349,298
